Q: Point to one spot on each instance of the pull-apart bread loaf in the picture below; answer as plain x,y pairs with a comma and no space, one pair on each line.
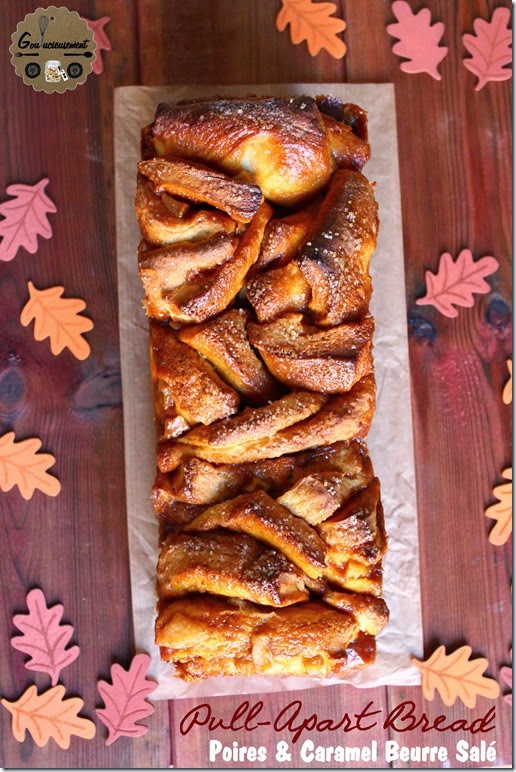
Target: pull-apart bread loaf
257,231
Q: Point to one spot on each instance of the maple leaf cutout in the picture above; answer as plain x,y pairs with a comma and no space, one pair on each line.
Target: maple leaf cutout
44,638
124,699
101,39
455,676
49,715
314,23
501,511
57,318
25,218
507,389
455,283
490,48
22,465
418,40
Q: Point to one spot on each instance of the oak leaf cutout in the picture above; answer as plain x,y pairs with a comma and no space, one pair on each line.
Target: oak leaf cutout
44,637
124,699
25,218
507,389
506,673
101,39
418,39
490,48
501,511
48,715
57,318
455,676
314,23
455,283
22,465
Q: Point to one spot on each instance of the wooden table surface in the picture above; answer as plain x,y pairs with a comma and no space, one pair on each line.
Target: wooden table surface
455,166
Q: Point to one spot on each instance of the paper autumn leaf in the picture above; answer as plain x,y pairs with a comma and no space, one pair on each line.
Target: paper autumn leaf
455,676
125,699
455,283
490,48
507,389
314,23
101,39
44,637
502,511
57,318
22,465
25,218
418,39
49,715
506,673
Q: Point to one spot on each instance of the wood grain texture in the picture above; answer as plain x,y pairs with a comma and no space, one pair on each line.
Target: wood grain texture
455,154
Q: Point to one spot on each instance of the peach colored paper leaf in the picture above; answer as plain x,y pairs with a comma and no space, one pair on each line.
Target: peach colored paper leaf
507,389
506,673
314,23
490,48
101,39
22,465
502,511
456,676
48,715
25,218
44,637
57,318
418,39
124,699
455,283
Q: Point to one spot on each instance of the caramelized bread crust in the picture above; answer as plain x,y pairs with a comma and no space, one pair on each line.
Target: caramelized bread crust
258,228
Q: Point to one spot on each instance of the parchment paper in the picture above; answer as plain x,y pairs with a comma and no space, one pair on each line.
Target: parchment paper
390,440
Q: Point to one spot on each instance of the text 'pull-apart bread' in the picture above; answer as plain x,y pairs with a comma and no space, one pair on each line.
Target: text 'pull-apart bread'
257,231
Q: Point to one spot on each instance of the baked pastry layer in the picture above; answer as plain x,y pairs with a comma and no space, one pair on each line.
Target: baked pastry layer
258,227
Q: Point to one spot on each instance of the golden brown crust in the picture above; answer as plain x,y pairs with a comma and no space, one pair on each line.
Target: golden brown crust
224,342
226,564
199,183
335,261
206,636
260,516
185,384
306,357
256,251
162,223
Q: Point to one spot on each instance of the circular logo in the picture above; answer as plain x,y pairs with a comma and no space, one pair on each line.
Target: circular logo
53,49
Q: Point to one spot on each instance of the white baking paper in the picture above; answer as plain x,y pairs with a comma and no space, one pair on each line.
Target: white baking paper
390,440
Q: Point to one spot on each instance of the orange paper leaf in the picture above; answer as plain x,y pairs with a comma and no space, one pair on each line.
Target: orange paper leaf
455,676
314,23
49,715
490,48
455,283
57,318
502,511
22,465
507,389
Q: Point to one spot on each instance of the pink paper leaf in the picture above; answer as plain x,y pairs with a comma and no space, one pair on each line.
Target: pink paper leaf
455,283
44,637
25,218
490,48
101,39
418,39
124,699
